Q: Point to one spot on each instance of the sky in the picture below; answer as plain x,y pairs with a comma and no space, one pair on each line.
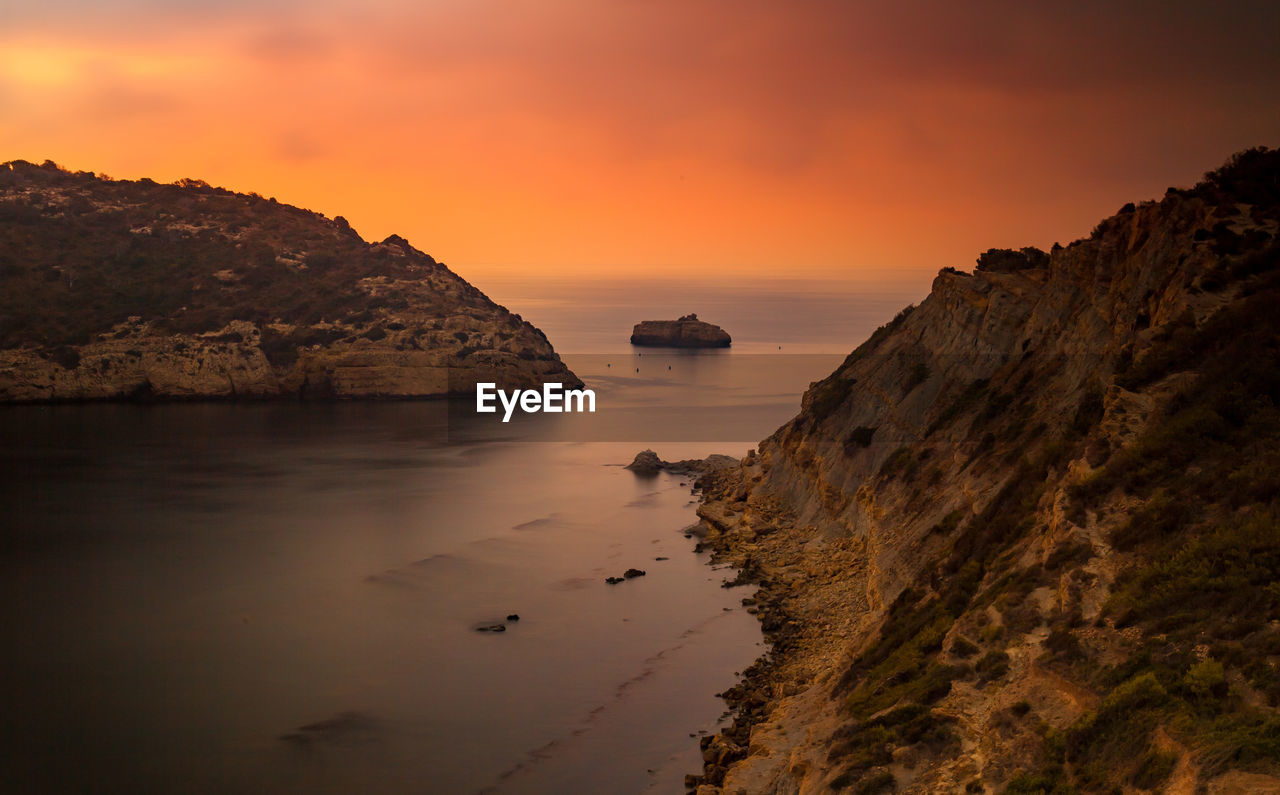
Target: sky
599,138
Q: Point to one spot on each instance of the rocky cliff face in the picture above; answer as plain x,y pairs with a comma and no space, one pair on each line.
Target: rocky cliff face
116,289
1025,538
686,332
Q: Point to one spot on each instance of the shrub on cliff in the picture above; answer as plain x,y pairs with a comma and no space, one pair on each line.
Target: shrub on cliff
1251,176
1005,260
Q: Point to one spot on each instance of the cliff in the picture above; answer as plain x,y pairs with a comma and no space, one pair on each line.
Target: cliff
117,289
1025,539
686,332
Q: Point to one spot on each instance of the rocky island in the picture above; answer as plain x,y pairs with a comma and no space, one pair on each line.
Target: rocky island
119,289
685,332
1026,537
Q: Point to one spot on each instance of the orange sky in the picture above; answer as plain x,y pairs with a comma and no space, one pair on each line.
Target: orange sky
813,137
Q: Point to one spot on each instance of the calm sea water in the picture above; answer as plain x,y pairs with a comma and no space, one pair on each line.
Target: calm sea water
771,316
284,597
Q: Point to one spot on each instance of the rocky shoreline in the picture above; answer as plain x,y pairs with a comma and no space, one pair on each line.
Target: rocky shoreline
796,601
721,531
741,530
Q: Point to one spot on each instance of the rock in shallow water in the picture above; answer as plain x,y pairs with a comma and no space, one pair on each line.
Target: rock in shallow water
647,463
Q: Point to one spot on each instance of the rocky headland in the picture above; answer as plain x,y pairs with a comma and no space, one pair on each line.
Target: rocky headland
119,289
684,332
1025,538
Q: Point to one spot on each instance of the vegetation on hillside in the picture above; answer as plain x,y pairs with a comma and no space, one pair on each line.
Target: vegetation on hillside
1195,503
80,254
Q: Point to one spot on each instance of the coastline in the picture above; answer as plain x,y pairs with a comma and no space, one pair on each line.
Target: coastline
801,602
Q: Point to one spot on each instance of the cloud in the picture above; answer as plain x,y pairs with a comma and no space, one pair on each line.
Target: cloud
284,44
718,130
299,146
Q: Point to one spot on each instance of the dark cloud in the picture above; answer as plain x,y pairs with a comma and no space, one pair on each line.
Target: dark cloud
657,64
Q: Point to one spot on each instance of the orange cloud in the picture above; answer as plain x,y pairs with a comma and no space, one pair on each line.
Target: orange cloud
600,137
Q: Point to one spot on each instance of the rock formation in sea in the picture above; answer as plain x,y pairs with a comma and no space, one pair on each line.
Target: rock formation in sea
647,464
684,332
119,289
1025,538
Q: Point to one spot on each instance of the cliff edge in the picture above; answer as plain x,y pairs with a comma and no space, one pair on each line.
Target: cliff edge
118,289
1025,538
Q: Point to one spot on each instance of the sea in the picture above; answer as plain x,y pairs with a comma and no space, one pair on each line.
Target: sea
299,597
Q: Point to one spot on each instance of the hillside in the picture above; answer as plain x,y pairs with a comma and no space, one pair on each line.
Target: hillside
116,289
1025,538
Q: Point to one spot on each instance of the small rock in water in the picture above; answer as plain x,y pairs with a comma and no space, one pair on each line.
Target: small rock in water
613,580
513,617
662,558
492,628
646,463
633,573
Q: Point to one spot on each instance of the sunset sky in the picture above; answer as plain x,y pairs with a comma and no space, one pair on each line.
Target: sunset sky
606,137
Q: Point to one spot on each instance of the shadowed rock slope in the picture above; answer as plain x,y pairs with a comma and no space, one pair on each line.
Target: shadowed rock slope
1025,538
115,289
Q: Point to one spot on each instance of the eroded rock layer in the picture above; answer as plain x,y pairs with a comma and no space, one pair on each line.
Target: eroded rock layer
1025,538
